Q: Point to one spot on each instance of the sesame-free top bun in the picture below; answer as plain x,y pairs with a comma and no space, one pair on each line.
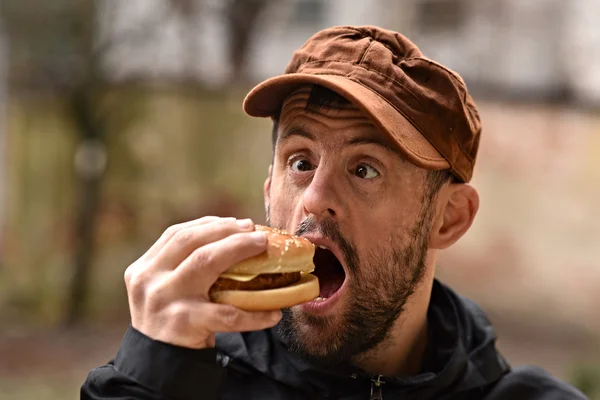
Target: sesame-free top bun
285,253
286,256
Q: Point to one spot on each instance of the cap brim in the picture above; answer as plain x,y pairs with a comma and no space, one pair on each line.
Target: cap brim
266,99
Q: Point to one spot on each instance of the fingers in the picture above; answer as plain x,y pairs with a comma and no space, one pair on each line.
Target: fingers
193,324
202,268
172,230
226,318
187,239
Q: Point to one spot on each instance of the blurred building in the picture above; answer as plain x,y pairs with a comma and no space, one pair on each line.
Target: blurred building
196,43
534,50
524,49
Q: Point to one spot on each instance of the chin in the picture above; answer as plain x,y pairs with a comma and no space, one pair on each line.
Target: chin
318,335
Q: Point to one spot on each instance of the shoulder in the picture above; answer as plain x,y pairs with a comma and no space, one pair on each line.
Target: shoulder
533,383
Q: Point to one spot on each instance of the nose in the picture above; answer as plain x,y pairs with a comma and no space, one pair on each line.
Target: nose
321,197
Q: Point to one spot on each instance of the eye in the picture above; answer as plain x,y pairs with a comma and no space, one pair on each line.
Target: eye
365,171
301,165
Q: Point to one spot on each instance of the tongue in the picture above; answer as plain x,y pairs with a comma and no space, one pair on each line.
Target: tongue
330,280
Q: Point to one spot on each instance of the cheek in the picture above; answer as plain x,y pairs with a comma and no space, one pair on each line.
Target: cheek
380,237
395,212
382,266
284,200
384,220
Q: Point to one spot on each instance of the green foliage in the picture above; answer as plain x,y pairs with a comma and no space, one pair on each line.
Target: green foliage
38,388
587,379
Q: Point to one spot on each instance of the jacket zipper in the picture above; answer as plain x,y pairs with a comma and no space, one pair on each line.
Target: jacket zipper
376,388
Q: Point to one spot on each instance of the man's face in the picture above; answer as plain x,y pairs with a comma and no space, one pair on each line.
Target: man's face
337,180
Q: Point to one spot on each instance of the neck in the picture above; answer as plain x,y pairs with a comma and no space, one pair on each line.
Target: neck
402,353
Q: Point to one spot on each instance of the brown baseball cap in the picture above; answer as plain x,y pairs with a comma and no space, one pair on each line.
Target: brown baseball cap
423,106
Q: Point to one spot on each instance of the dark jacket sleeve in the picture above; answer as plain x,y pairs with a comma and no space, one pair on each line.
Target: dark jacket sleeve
146,369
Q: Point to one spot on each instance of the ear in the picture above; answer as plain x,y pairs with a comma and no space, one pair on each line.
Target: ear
267,188
456,209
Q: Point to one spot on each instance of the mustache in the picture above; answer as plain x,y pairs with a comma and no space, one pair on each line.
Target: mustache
330,229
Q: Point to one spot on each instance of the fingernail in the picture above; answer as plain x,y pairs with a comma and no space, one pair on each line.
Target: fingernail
245,223
259,237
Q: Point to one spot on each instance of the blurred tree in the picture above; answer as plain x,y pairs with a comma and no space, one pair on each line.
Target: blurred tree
60,47
241,16
90,156
187,11
3,174
55,49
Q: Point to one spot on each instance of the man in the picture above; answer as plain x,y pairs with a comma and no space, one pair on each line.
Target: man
373,149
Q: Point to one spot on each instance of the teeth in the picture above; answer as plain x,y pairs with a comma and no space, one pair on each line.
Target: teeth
323,247
319,299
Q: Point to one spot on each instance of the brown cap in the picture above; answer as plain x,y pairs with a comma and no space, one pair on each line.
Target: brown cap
422,105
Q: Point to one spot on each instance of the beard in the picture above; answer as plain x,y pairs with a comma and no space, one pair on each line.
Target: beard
380,282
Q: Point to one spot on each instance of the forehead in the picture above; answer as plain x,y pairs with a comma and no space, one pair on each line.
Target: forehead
321,119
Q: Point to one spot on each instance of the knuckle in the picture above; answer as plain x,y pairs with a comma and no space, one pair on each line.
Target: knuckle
227,222
202,258
230,317
223,224
179,317
243,239
171,231
136,294
183,237
135,283
207,218
139,284
128,275
240,241
155,298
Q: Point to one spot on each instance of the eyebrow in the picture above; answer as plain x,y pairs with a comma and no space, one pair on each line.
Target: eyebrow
298,131
378,142
294,131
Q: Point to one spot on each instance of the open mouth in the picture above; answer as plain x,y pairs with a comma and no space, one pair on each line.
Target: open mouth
329,271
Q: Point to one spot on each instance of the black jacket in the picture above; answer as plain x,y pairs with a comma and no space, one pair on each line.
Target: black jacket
461,363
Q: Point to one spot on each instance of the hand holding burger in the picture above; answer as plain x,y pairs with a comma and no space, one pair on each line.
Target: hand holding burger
248,274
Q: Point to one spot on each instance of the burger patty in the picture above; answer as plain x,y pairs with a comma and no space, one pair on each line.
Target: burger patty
261,282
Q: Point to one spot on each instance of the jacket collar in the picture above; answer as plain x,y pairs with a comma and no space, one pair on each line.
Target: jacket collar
461,356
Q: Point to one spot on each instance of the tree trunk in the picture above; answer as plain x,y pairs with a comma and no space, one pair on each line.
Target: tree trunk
241,17
3,150
90,161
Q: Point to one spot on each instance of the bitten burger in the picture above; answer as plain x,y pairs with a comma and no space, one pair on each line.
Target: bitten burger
278,278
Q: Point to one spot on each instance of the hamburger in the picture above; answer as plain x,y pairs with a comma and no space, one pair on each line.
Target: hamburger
278,278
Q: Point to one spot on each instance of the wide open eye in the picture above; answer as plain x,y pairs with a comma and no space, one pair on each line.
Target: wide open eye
365,171
302,165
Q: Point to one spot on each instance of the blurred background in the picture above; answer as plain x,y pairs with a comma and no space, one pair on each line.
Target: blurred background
120,118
